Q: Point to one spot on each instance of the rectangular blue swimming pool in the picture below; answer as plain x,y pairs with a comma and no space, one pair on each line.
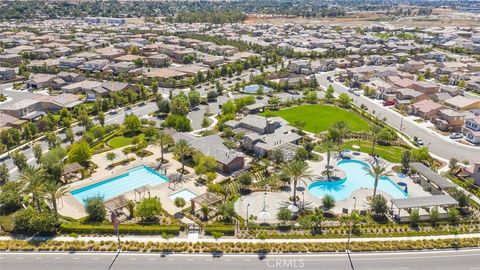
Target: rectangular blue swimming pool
110,188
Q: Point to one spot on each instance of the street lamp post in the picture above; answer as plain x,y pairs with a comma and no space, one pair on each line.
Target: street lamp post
264,204
401,123
350,233
248,205
303,201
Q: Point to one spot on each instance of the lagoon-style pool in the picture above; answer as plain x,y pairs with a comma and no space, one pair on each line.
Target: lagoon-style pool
110,188
356,178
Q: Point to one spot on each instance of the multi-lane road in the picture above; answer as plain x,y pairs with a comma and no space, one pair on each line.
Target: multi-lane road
440,146
438,260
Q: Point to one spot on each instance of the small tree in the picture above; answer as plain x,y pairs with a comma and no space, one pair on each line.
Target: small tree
132,124
95,208
328,202
406,160
179,202
37,152
414,217
453,214
434,215
284,215
101,118
329,94
148,209
111,156
19,160
80,152
378,205
344,100
245,179
4,174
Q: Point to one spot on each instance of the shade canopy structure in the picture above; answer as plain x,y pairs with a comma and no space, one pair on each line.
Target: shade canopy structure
431,176
207,199
428,201
116,203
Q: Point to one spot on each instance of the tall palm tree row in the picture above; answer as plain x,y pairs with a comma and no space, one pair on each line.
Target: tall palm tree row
296,170
376,171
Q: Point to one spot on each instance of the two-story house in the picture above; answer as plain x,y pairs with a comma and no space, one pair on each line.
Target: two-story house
471,129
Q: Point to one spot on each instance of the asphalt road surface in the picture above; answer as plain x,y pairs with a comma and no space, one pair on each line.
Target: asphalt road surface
438,145
438,260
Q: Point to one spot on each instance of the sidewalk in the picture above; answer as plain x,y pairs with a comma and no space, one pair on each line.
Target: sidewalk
158,239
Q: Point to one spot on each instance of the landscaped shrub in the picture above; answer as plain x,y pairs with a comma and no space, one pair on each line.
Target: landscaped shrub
225,229
31,222
95,208
68,228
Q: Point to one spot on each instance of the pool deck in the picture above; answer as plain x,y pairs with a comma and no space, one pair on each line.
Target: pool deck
71,207
277,200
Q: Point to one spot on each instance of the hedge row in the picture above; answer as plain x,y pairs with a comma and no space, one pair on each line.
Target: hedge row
52,245
123,229
225,229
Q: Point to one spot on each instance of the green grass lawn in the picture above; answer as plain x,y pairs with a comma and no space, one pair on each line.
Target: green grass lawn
389,153
121,141
319,118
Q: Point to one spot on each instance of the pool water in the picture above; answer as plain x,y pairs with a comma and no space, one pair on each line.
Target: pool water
186,194
110,188
252,89
356,178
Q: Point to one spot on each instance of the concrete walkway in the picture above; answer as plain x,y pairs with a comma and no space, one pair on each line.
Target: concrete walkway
158,239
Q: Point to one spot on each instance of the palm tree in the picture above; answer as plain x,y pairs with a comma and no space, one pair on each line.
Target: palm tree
296,170
328,146
55,191
376,171
339,130
374,133
182,149
163,139
33,179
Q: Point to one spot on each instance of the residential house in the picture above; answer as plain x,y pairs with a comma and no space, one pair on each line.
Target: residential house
426,109
406,96
10,59
70,62
39,80
425,87
32,109
7,74
463,103
228,160
97,64
471,129
449,120
264,135
159,60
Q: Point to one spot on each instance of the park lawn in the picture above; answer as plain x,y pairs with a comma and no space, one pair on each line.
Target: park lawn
389,153
122,141
319,118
